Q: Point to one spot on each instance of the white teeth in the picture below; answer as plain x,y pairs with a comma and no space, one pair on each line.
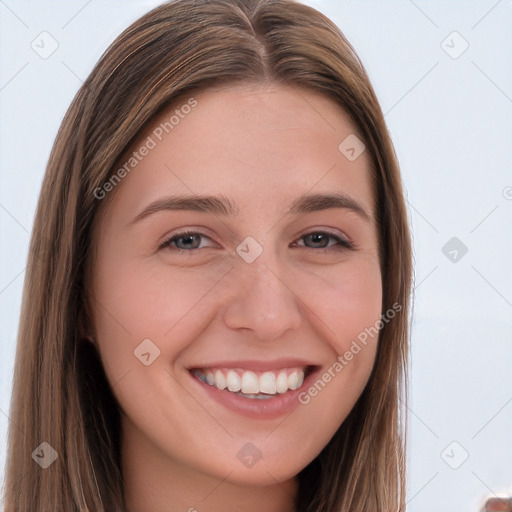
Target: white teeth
220,380
293,380
233,381
268,383
282,383
250,383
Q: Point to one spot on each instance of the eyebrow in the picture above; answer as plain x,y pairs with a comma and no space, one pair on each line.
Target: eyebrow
317,202
221,205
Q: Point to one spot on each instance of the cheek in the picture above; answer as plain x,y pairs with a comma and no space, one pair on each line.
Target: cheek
150,300
136,301
348,304
347,299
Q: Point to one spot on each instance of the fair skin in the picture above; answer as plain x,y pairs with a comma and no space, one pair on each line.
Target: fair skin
300,303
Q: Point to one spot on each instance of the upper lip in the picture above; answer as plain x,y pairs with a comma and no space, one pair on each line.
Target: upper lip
256,365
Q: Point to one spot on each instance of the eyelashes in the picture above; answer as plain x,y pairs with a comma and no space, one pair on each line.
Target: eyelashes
191,238
191,241
317,237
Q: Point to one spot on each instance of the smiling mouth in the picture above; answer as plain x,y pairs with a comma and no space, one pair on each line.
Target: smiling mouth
252,384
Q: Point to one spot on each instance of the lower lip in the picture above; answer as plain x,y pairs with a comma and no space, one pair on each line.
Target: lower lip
255,408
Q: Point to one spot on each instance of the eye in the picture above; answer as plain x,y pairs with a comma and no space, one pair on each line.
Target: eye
324,240
191,240
188,240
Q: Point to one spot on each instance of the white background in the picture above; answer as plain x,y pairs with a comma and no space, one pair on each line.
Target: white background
450,120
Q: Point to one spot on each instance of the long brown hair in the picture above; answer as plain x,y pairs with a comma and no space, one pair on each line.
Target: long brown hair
60,393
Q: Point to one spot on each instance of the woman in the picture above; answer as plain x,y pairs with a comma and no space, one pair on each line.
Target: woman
215,313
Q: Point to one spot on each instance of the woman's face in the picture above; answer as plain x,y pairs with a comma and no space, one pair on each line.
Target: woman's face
238,256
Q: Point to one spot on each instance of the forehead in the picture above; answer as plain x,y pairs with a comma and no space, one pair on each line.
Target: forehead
262,145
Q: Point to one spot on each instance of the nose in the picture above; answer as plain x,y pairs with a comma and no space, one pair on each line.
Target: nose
262,301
